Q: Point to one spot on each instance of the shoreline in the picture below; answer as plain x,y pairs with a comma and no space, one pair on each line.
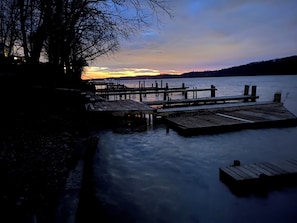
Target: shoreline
39,147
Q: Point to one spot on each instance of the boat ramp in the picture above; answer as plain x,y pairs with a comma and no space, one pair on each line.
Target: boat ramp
189,115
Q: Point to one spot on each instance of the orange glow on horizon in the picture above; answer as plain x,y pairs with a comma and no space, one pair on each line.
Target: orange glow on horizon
104,72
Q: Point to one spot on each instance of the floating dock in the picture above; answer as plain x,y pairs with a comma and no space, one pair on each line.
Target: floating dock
229,117
259,176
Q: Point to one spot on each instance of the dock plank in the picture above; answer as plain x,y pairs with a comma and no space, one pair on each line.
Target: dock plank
240,172
255,171
259,169
247,171
231,173
269,169
292,161
287,166
121,106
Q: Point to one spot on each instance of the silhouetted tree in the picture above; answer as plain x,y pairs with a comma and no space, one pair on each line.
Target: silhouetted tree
8,24
69,33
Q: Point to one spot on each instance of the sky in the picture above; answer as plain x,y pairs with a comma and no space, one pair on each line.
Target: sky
204,35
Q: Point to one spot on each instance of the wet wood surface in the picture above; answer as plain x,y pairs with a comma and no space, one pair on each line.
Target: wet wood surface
225,118
119,106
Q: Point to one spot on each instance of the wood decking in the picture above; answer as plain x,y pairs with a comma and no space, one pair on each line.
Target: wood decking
204,100
259,176
233,117
120,106
195,115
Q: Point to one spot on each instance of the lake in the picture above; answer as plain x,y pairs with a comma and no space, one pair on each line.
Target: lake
158,175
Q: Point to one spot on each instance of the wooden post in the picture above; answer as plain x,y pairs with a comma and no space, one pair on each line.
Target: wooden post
149,119
154,118
277,97
254,92
140,95
246,92
186,94
165,92
213,91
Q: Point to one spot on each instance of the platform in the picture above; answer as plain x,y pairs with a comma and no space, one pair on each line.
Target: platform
262,176
119,106
222,118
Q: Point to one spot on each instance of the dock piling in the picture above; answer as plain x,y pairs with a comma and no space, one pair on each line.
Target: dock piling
212,91
254,92
277,97
246,91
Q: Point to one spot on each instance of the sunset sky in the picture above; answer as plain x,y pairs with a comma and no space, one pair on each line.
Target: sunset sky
205,35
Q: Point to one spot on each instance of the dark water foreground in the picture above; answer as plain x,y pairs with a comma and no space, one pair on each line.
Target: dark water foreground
157,175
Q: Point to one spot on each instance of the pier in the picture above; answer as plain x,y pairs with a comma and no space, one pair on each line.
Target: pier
121,92
190,115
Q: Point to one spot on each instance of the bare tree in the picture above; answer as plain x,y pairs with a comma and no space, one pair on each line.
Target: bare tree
8,24
73,32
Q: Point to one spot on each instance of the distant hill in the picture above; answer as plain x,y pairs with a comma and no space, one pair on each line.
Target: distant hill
285,66
282,66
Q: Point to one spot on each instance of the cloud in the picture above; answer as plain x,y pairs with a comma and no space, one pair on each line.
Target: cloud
104,72
209,34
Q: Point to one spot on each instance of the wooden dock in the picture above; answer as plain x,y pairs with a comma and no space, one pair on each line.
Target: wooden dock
223,118
190,116
259,176
120,106
121,112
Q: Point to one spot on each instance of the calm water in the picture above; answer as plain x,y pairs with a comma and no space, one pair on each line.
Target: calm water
159,176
